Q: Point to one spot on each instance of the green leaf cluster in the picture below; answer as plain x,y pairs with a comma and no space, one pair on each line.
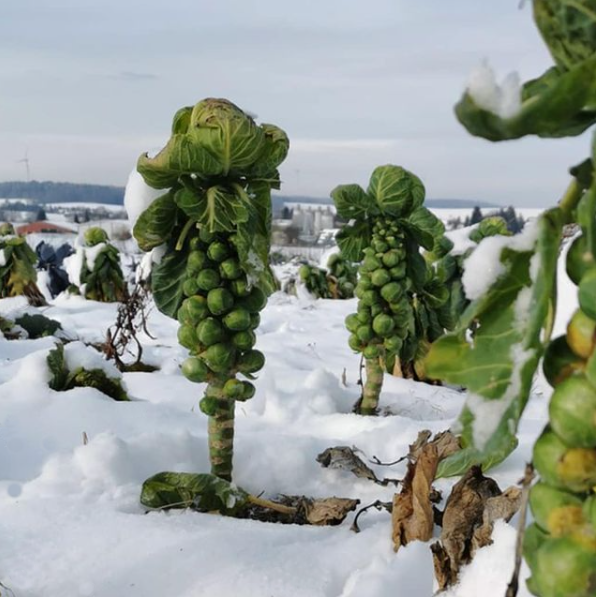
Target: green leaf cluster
18,275
62,379
338,281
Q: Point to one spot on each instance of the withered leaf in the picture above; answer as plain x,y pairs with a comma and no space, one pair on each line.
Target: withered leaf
345,458
328,511
412,516
475,503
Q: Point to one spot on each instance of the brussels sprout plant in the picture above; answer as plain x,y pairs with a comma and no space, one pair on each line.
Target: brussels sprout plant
514,314
388,226
338,281
217,171
98,276
17,267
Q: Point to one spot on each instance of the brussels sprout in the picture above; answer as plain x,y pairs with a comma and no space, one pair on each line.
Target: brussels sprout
534,537
244,340
196,261
210,331
546,500
255,301
220,357
380,246
187,336
392,292
218,251
230,269
251,361
194,369
237,320
393,344
352,322
209,406
95,236
586,294
208,279
579,260
196,244
589,510
383,325
196,308
376,309
380,277
255,321
572,412
370,298
365,282
240,287
365,333
560,362
206,236
581,334
392,258
564,568
370,264
233,388
190,287
220,301
571,469
248,391
372,351
354,343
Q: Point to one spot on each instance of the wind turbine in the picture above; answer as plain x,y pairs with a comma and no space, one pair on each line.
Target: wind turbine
25,161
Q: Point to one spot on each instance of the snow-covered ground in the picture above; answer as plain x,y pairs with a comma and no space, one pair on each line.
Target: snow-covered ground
70,520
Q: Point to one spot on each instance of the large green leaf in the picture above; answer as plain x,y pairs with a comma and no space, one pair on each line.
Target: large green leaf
568,28
203,492
352,239
425,227
181,121
352,202
154,226
167,278
498,363
275,150
560,104
397,191
58,369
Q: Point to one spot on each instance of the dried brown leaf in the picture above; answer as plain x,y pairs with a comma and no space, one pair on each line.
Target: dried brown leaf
475,503
345,458
328,511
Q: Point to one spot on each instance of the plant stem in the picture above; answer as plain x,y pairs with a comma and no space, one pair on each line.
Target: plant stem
372,387
570,199
221,431
253,499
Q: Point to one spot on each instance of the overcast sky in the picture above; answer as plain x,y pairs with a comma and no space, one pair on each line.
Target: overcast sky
86,86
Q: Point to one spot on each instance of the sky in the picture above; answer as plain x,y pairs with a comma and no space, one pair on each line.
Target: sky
87,86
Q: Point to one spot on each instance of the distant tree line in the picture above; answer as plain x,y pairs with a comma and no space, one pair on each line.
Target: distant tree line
62,192
515,221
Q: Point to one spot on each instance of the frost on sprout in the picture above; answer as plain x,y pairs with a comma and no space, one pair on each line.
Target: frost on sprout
483,268
138,196
2,258
91,254
503,100
148,260
488,413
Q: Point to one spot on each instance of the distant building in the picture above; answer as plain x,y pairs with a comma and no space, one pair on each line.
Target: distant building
312,219
20,210
43,228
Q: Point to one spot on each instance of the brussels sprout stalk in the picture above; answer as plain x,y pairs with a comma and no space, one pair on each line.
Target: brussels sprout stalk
217,171
398,294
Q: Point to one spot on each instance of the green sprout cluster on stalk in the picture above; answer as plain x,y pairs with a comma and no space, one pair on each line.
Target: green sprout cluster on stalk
102,280
398,292
214,219
338,281
515,317
18,276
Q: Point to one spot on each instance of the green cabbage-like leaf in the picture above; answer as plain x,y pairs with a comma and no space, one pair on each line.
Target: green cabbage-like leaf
275,149
397,191
203,492
181,121
155,225
352,239
498,363
425,227
58,369
492,226
568,28
562,104
167,278
352,202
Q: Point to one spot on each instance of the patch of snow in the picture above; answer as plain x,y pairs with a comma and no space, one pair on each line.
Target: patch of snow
461,239
78,355
503,100
483,267
73,265
148,260
91,254
138,196
2,258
